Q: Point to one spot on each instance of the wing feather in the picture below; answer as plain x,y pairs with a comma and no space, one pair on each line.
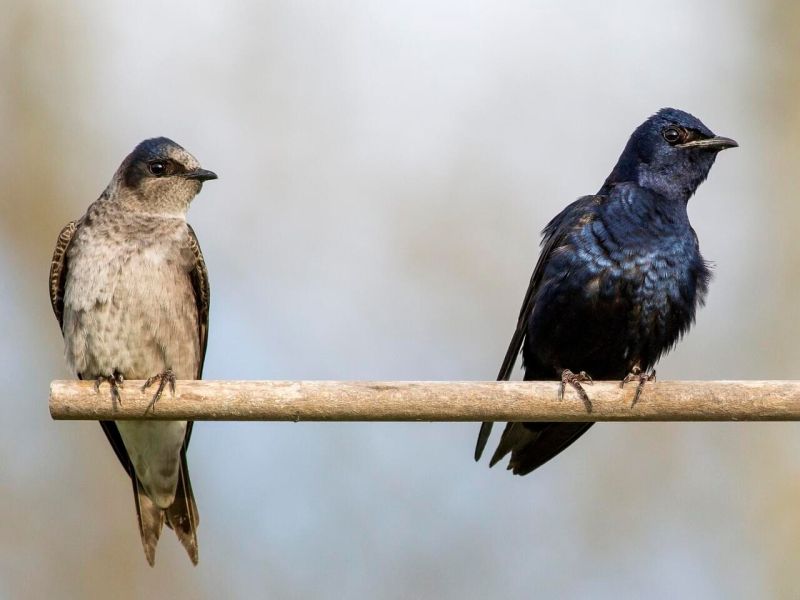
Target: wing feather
58,269
553,237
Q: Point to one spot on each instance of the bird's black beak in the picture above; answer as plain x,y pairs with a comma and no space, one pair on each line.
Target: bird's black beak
715,143
200,175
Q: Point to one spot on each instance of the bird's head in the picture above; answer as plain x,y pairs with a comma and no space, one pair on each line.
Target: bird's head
160,177
670,153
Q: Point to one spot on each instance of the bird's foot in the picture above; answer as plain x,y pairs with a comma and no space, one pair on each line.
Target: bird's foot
568,377
166,376
642,377
115,382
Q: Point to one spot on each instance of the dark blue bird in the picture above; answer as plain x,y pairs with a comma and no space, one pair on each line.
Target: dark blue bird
618,280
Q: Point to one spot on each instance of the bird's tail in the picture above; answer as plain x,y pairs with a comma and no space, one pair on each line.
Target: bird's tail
181,516
483,437
533,444
151,520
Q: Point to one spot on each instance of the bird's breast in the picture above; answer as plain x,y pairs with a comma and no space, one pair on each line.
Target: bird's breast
649,282
607,309
129,304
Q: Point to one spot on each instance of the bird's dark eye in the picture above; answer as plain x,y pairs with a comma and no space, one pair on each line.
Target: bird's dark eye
157,167
671,134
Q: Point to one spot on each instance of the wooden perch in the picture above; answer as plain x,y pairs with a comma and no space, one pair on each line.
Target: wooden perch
430,401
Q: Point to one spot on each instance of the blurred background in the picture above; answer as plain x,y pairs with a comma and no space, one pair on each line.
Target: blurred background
375,218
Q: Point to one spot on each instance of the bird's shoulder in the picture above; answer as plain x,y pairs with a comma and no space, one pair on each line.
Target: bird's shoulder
564,231
560,240
576,214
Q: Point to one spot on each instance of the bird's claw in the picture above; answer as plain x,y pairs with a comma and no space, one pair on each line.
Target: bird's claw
165,377
568,377
115,382
642,377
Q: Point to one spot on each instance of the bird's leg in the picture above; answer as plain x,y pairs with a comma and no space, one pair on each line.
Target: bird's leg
642,377
568,377
115,382
165,377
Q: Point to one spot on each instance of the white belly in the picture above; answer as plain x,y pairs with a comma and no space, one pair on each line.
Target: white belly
154,448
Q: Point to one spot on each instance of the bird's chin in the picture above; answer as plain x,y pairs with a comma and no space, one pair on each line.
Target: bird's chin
194,186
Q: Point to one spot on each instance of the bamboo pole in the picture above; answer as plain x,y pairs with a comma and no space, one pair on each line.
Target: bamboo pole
429,401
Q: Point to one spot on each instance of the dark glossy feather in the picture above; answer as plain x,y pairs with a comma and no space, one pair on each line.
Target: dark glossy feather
618,280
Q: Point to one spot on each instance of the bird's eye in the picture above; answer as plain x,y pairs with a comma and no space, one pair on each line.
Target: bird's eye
157,168
671,134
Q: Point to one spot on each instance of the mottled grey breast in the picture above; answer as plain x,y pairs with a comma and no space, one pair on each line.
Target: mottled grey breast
129,302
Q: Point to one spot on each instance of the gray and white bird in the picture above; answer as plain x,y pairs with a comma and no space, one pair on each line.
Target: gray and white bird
129,288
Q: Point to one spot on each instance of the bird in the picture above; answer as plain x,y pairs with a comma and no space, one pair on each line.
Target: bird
129,288
618,280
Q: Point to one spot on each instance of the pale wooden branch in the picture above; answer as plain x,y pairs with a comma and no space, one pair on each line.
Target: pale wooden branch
430,401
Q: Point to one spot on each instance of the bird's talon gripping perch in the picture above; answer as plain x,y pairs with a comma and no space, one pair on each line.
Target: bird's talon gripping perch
115,382
642,377
165,377
568,377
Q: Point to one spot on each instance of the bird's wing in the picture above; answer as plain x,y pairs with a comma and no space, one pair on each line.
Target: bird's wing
58,270
552,237
202,296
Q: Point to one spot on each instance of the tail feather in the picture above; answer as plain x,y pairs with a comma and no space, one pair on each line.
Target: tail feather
182,516
151,520
483,437
533,444
515,436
